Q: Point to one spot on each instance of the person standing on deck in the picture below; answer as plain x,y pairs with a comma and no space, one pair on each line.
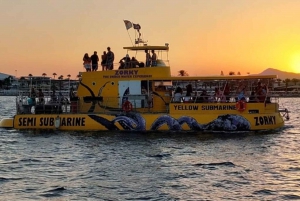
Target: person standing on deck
110,57
148,58
103,62
87,62
95,60
153,58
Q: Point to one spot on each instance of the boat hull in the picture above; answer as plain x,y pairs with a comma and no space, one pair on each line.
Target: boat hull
146,122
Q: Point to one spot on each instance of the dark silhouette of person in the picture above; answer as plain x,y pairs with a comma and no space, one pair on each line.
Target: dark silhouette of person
103,61
125,62
134,62
95,60
153,58
148,58
189,90
41,96
110,57
203,97
178,95
87,62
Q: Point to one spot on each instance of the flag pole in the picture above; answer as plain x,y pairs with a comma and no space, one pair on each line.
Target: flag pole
129,37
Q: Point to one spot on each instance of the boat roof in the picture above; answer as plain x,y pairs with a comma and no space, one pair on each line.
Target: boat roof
147,47
229,77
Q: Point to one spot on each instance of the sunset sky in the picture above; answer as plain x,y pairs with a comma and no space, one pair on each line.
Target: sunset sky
205,36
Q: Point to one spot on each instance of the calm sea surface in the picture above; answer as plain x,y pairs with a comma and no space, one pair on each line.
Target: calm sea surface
152,166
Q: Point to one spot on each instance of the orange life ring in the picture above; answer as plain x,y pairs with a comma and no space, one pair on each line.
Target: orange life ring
127,106
241,106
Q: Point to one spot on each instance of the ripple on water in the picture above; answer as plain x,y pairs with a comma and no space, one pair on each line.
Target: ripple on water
54,165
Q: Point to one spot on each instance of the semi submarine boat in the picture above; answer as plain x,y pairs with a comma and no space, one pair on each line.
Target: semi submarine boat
139,98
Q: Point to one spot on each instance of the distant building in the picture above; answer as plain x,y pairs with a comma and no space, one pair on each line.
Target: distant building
3,76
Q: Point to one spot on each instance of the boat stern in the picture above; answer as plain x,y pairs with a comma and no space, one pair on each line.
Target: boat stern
7,123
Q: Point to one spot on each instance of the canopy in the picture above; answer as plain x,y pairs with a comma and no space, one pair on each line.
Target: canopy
230,77
146,47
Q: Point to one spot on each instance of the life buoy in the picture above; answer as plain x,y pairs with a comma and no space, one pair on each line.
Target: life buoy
127,106
241,106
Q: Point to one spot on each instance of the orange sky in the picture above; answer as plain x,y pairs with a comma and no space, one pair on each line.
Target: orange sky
205,37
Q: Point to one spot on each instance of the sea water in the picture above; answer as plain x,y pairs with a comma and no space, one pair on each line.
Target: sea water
44,165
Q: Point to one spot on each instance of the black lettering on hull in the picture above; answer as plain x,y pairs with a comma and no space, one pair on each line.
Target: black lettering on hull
49,121
186,107
265,120
218,107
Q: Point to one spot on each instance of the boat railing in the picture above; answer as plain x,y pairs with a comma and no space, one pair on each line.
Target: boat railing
223,99
114,105
130,65
46,105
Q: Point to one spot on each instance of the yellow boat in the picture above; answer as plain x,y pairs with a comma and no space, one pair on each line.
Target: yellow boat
139,98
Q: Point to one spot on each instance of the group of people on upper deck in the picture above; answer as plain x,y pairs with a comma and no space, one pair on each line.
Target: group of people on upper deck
258,94
90,63
126,62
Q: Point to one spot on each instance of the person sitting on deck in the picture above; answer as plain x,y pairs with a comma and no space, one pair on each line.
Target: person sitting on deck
41,96
53,97
218,95
125,62
134,62
189,91
241,93
32,97
252,97
226,92
264,97
72,93
260,92
178,95
203,97
62,100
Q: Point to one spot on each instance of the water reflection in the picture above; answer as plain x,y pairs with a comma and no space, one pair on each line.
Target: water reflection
74,165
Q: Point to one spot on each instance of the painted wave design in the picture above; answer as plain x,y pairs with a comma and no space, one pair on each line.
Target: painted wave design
135,122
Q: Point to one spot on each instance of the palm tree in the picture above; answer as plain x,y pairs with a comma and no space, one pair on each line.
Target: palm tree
44,74
30,75
231,73
61,77
54,74
222,73
182,73
286,83
78,77
239,73
69,76
295,80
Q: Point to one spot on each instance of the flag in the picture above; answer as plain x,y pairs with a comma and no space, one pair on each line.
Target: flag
136,26
128,24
